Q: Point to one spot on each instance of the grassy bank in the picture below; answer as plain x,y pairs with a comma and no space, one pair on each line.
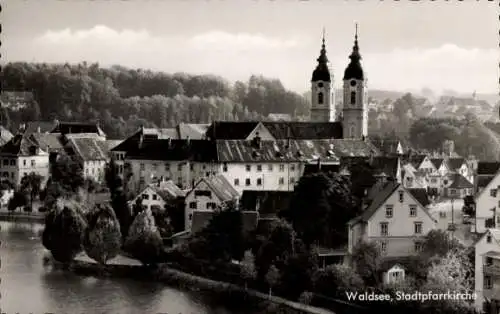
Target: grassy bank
215,291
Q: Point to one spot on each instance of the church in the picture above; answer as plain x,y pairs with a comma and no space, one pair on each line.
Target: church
353,119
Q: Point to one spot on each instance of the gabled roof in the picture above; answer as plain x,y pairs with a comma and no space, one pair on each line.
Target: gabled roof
230,130
49,142
488,167
495,233
38,126
193,150
385,165
192,130
455,163
483,181
113,143
5,135
420,195
19,145
386,146
219,185
167,190
88,148
304,130
381,193
437,162
459,182
416,160
77,127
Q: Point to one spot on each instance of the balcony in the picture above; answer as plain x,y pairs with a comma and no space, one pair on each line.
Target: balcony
492,270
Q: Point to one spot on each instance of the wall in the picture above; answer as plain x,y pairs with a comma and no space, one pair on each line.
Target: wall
270,179
150,201
40,167
201,202
485,202
480,249
401,236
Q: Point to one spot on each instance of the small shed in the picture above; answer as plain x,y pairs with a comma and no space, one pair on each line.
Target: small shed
395,274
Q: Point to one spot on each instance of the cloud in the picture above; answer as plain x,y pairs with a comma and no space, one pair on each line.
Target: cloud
238,55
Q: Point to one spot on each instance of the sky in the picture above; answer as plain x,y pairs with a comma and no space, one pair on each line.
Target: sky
404,45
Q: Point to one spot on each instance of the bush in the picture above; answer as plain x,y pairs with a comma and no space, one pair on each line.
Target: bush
64,232
102,240
28,209
42,209
144,241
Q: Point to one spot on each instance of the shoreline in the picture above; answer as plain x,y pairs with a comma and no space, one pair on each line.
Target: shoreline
36,217
171,276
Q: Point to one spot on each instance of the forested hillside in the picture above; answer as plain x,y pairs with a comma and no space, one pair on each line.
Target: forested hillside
122,99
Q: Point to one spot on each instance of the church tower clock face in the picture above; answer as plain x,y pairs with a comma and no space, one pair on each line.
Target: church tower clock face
353,83
320,84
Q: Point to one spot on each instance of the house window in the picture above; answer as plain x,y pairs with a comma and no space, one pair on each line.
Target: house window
401,196
388,211
259,168
154,197
141,180
418,227
236,181
384,228
224,167
193,205
24,162
167,167
418,247
259,181
248,167
270,167
413,210
282,168
292,167
383,247
190,217
154,166
433,180
442,214
292,180
211,205
488,239
353,98
142,167
247,182
33,163
487,282
204,167
281,181
145,196
191,167
320,98
179,167
12,162
489,261
5,162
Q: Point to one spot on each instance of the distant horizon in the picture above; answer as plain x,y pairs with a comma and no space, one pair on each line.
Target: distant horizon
408,46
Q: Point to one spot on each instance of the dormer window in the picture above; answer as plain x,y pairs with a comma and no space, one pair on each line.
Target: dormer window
320,98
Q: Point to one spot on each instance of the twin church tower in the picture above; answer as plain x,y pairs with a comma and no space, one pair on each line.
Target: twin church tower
354,115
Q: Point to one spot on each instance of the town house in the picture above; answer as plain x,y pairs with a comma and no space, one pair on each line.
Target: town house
91,151
487,269
487,199
156,195
395,219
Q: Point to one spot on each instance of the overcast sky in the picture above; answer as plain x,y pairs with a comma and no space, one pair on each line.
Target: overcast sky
405,45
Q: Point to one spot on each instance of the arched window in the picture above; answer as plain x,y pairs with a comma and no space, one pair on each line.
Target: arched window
351,131
320,98
353,98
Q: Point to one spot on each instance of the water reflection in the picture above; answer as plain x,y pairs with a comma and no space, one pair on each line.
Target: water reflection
28,286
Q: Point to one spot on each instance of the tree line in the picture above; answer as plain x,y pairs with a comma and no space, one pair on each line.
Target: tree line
121,99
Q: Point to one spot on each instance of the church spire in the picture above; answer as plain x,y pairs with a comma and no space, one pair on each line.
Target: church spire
354,69
321,73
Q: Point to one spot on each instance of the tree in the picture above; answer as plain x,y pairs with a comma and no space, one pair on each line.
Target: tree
113,181
144,241
102,240
367,262
17,200
335,280
175,211
68,173
438,243
31,185
122,211
64,231
248,271
272,278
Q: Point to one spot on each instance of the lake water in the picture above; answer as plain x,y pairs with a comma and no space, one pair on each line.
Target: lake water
29,287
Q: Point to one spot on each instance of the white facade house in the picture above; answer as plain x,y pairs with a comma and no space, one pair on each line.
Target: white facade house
19,157
207,195
487,205
156,195
487,268
91,152
395,219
